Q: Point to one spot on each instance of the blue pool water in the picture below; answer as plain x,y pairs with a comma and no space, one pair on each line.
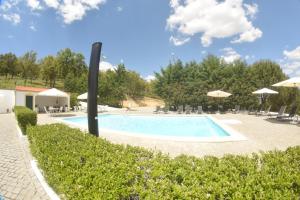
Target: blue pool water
157,125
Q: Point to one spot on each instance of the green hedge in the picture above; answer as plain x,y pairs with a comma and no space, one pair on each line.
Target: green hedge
25,117
81,166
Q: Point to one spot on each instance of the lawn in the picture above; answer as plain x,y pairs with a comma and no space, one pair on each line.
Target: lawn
11,83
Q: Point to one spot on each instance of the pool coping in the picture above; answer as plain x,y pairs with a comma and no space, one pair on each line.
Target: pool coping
233,134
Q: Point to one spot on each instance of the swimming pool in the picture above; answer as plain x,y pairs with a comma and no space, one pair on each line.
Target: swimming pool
163,126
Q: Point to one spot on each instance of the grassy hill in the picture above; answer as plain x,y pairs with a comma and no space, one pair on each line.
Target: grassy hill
11,84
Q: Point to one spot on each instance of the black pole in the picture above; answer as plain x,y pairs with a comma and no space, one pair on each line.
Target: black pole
93,88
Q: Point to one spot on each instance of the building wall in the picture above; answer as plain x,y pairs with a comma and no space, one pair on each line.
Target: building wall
8,101
21,97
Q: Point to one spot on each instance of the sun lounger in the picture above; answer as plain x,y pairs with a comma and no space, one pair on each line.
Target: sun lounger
188,109
279,113
157,110
236,109
200,110
289,116
180,109
166,109
264,113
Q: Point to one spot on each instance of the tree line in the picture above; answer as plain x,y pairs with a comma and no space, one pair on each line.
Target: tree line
188,83
49,68
70,68
177,84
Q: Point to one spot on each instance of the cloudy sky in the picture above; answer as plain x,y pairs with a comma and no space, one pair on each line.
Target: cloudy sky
147,34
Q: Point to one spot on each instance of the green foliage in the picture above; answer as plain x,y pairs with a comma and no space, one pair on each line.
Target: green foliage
49,70
28,66
73,99
70,63
182,84
25,117
115,86
9,65
81,166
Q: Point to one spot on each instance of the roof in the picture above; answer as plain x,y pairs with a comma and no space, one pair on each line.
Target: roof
30,89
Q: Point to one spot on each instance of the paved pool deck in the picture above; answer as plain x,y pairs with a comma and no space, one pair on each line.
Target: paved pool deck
262,134
17,180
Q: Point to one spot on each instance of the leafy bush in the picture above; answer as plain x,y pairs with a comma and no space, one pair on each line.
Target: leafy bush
81,166
25,117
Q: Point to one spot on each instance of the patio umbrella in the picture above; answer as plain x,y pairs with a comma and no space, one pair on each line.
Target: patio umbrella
218,94
264,91
82,96
292,82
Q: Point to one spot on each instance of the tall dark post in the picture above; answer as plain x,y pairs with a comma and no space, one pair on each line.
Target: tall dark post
93,88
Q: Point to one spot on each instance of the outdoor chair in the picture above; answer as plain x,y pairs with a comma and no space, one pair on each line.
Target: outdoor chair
48,112
180,109
221,109
188,109
279,113
200,110
263,113
290,116
157,110
236,109
250,109
166,109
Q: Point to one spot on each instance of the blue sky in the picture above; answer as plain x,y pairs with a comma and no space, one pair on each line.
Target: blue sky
147,34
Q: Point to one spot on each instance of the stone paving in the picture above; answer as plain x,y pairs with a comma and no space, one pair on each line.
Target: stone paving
17,180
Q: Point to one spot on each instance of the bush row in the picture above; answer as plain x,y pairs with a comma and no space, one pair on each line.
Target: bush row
81,166
25,117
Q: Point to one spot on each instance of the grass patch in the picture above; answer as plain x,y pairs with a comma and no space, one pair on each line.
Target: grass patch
11,83
81,166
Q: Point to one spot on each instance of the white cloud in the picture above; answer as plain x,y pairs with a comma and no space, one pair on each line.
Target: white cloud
230,55
214,19
293,54
32,27
251,10
149,78
291,62
13,17
119,9
52,3
105,66
69,10
178,41
75,10
34,4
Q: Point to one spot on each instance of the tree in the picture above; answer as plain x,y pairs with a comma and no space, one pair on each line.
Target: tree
28,66
8,64
49,70
70,62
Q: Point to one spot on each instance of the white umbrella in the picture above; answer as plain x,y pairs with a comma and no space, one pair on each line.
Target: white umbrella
82,96
292,82
265,91
218,94
53,93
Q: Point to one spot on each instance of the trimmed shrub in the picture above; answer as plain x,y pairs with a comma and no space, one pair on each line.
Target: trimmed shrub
81,166
25,117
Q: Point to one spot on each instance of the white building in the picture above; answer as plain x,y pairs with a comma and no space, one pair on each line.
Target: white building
30,97
7,100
